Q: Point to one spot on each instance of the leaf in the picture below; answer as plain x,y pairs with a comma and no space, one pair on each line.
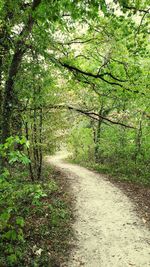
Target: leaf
27,144
10,235
5,217
25,160
20,238
38,252
104,7
23,140
20,221
12,258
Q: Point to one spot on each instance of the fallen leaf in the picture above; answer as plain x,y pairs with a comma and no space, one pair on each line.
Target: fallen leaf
38,252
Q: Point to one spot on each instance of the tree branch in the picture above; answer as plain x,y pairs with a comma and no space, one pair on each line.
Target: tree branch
94,116
90,114
98,76
77,41
135,9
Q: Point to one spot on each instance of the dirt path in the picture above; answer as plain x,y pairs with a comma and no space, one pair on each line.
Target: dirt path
108,231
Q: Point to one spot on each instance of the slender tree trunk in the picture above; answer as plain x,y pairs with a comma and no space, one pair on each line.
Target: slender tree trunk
98,139
1,93
40,145
28,151
138,141
98,135
1,101
35,144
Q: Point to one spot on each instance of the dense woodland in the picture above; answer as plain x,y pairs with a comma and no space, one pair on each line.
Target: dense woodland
73,74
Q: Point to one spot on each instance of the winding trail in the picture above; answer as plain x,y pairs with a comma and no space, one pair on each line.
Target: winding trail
108,231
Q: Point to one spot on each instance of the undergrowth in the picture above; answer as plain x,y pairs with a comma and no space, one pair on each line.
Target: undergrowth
122,171
34,221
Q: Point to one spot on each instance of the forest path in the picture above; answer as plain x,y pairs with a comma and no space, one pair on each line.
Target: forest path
108,231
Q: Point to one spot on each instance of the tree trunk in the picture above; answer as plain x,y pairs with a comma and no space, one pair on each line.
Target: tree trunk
40,145
138,141
98,139
35,144
28,151
9,96
98,134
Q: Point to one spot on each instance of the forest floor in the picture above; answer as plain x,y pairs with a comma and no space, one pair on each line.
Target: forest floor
39,229
108,231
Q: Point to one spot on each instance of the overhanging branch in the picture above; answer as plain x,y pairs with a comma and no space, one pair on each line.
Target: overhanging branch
75,70
146,11
97,116
90,114
98,76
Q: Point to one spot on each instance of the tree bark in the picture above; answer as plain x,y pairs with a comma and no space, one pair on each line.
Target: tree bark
8,102
40,143
98,135
9,96
35,144
138,141
28,151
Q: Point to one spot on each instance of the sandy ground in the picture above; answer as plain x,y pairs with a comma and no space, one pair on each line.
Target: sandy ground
108,231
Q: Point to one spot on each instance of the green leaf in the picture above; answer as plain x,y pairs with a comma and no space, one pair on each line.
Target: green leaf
27,144
23,140
10,235
104,7
20,221
12,259
4,217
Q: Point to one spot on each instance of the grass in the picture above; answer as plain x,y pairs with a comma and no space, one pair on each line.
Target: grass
121,170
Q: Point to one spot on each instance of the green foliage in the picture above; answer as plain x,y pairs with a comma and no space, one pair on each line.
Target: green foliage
106,46
118,153
21,200
11,225
7,150
81,143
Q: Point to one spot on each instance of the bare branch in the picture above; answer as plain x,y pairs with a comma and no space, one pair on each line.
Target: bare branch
90,114
99,76
77,41
142,19
147,11
95,116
